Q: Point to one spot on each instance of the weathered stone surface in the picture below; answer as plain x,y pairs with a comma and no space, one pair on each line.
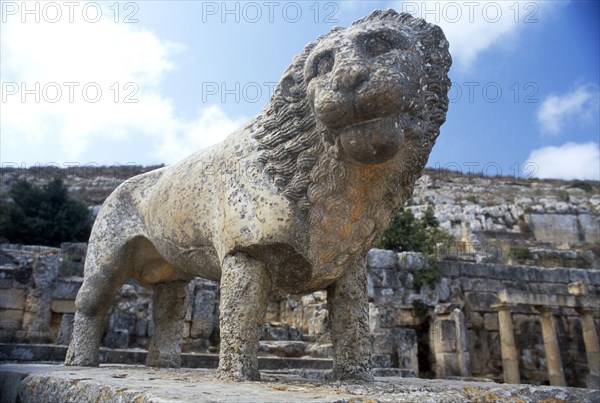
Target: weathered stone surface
66,287
590,227
11,319
203,314
291,202
45,383
284,348
12,298
406,350
63,306
38,304
558,228
381,259
66,328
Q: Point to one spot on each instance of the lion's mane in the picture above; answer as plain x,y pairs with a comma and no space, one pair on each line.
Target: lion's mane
297,151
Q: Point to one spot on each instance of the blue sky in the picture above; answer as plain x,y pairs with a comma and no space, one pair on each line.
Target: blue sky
148,82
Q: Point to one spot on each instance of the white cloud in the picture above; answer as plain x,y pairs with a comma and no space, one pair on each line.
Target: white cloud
569,161
472,27
556,110
58,122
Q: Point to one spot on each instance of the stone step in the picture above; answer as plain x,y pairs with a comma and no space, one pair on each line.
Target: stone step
56,353
56,383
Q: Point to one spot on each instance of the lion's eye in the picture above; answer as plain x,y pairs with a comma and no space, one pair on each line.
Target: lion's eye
377,46
324,64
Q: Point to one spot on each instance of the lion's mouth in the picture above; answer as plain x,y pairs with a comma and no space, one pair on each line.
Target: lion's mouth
372,141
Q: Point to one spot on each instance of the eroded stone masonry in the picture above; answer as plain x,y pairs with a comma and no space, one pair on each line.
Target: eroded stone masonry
505,322
524,267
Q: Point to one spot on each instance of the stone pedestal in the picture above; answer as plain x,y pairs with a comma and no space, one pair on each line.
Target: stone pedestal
510,358
553,361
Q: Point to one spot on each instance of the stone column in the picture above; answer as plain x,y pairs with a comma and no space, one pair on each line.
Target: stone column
553,360
508,349
462,343
592,348
444,342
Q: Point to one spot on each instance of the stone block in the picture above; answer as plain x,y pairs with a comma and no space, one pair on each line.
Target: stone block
490,321
123,320
317,323
378,277
474,319
203,314
481,301
66,329
66,288
190,301
556,228
406,349
485,284
473,269
272,331
12,276
383,343
444,336
579,275
594,277
381,259
558,275
11,319
118,338
534,273
12,298
556,289
387,295
186,329
382,360
466,283
63,306
577,288
590,228
514,285
141,327
284,348
402,316
449,268
411,261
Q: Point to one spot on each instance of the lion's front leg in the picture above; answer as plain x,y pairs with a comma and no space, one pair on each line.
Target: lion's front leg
349,315
245,287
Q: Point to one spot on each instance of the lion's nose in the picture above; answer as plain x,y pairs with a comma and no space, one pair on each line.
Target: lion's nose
349,75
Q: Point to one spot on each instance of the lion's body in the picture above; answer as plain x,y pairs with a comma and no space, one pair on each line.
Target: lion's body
289,203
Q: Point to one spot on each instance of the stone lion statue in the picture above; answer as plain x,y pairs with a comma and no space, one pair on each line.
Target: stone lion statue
289,203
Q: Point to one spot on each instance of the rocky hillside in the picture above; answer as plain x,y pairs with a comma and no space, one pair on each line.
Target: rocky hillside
499,219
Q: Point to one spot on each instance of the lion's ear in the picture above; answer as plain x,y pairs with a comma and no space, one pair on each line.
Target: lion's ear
290,91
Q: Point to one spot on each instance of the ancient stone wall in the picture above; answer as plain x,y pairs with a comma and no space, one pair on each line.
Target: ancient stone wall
427,319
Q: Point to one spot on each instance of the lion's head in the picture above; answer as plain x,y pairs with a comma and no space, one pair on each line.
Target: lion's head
368,94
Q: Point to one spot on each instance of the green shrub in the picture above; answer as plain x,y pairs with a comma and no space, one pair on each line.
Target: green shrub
582,185
407,233
563,196
43,216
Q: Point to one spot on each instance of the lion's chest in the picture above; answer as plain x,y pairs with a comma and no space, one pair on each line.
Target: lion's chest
344,224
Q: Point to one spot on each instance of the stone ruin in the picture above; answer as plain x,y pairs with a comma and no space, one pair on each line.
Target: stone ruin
478,321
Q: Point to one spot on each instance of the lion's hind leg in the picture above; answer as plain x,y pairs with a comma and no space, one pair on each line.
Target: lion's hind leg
106,271
168,314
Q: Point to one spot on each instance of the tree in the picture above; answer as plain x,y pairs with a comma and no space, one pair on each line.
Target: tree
43,216
407,233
